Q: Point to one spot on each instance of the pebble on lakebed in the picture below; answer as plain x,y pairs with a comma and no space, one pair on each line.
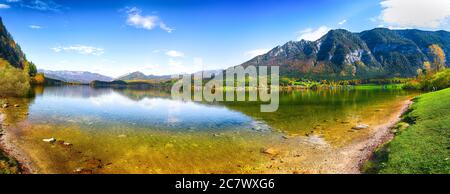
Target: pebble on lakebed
270,151
360,126
50,140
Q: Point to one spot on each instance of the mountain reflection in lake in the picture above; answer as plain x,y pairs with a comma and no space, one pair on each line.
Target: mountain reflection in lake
145,131
107,107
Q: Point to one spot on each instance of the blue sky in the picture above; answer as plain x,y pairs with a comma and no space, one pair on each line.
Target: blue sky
160,37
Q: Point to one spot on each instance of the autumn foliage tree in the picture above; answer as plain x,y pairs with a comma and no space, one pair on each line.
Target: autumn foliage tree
438,57
38,79
13,81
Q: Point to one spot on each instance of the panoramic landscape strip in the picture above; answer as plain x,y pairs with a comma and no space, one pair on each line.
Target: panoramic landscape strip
366,96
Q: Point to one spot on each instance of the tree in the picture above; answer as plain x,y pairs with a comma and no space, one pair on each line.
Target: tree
13,81
438,56
39,79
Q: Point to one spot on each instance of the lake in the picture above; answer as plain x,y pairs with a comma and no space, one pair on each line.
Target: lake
145,131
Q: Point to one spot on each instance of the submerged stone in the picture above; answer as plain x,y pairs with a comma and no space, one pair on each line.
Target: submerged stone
50,140
360,126
270,151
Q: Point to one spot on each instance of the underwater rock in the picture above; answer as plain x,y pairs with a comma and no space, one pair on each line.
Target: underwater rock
270,151
360,126
94,163
5,105
16,105
50,140
260,126
83,171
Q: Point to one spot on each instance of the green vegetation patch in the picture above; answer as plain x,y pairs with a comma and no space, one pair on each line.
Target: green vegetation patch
8,165
377,86
13,81
423,146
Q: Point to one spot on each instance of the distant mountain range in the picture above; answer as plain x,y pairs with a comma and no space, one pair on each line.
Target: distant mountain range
141,76
83,77
340,54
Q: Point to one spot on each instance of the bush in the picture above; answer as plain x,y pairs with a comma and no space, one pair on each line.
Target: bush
38,79
13,81
412,85
438,81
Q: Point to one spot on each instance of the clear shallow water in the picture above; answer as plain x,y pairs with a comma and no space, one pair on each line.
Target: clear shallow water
132,131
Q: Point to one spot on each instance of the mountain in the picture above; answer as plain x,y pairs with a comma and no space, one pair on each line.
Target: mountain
340,54
141,76
75,76
11,51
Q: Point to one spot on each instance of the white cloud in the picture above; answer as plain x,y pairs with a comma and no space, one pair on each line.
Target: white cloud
136,19
81,49
4,6
342,22
36,27
256,52
311,34
415,13
41,5
163,26
174,53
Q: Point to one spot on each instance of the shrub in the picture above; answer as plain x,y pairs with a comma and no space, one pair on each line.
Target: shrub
412,85
38,79
439,81
13,81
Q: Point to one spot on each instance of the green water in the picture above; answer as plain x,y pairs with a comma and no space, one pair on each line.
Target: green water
145,131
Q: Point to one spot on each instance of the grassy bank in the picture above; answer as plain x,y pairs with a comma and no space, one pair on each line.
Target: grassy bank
422,141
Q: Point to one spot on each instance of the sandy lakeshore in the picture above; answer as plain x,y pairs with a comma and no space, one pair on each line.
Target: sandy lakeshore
8,147
343,160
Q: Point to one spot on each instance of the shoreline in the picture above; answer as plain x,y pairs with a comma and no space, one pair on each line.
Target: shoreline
342,160
382,135
25,165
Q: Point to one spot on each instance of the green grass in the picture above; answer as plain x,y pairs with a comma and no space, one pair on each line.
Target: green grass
422,142
378,86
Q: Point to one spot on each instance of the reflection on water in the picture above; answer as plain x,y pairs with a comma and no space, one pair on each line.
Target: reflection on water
108,108
144,131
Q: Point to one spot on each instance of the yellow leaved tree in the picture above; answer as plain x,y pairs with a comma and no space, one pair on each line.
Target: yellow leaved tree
13,81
